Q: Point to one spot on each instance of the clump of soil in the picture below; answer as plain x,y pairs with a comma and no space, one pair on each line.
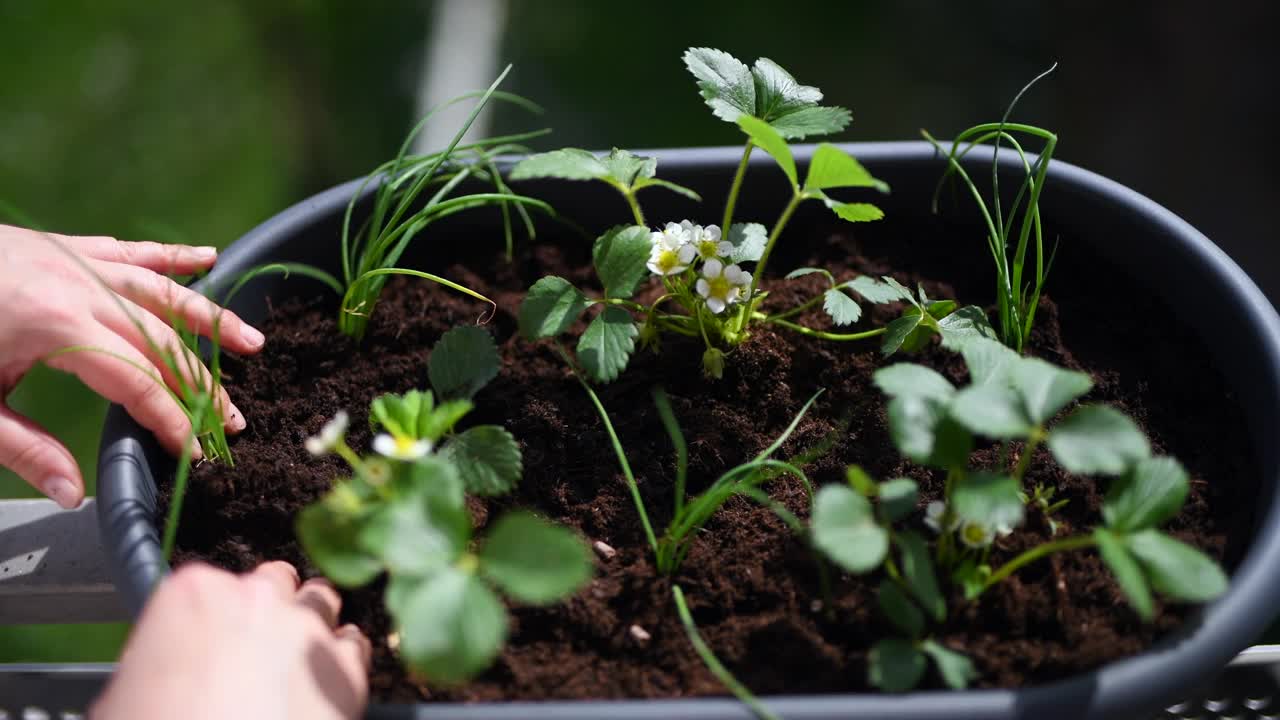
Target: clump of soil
752,586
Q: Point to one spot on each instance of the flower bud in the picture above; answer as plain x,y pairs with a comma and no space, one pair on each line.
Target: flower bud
713,363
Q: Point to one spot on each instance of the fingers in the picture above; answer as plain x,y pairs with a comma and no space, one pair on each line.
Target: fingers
350,636
160,257
37,457
319,596
154,338
119,372
278,578
167,300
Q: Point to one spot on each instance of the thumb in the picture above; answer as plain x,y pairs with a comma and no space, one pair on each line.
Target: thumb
37,457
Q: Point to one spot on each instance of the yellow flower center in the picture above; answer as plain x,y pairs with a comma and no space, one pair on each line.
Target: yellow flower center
708,249
719,287
974,533
668,260
404,445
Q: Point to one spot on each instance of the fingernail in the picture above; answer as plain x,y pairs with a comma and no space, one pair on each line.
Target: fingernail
205,253
196,451
237,422
62,491
252,336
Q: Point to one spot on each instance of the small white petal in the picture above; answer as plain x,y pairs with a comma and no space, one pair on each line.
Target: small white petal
385,445
702,287
725,248
686,254
712,232
316,446
712,269
715,305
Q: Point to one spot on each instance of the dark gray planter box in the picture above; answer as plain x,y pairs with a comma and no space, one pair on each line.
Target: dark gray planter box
1165,255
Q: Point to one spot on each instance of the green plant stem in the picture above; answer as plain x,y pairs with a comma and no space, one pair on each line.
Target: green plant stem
636,212
797,309
713,663
1035,553
732,201
783,219
821,333
629,304
1024,462
180,477
617,449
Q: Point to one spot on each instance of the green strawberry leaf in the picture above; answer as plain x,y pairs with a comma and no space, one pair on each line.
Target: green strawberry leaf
1175,568
771,142
1128,574
897,498
845,529
1098,440
462,362
535,561
605,348
843,309
620,257
832,167
895,665
900,609
488,460
451,626
957,671
917,572
748,241
903,379
988,499
1148,494
328,536
552,305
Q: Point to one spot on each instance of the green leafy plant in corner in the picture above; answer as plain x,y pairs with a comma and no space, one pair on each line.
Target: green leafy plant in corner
411,193
403,513
707,293
1011,231
860,537
1012,400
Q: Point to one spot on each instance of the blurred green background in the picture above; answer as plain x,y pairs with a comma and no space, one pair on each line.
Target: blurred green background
196,121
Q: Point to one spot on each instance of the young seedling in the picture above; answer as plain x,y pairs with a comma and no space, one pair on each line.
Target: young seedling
691,513
707,292
1014,399
403,210
403,513
196,389
1017,293
860,538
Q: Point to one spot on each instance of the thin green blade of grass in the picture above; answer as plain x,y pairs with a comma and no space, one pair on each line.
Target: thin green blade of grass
617,449
713,663
285,269
672,427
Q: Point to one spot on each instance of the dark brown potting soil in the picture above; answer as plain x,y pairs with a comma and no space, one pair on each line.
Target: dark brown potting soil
752,586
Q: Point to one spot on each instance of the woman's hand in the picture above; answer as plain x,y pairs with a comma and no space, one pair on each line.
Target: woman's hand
214,645
59,292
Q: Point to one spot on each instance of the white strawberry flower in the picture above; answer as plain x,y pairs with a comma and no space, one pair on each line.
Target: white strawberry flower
722,286
401,448
933,513
976,535
330,435
671,253
708,243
